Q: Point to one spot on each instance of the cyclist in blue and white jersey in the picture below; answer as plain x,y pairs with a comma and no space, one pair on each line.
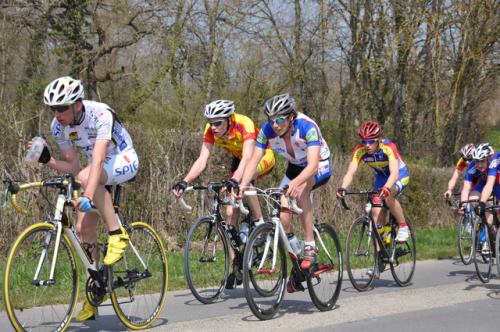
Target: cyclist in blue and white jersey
92,127
298,138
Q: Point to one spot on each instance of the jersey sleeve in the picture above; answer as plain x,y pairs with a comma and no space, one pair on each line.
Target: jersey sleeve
262,138
461,165
208,136
246,127
391,151
58,133
358,153
104,125
494,167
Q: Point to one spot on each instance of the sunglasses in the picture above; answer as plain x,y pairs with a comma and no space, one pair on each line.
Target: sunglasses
368,141
217,123
279,120
59,109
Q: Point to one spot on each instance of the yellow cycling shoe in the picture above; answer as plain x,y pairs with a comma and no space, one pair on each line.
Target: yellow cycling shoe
116,246
88,312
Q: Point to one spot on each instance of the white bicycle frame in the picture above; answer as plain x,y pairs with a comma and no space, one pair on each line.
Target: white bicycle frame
75,242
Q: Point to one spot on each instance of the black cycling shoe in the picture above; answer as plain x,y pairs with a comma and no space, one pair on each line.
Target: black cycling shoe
233,281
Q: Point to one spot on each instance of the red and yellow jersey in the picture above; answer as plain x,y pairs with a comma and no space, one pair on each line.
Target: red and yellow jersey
379,160
241,129
461,165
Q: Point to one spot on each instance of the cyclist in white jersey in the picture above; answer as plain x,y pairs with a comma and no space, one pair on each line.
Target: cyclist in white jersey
298,138
92,127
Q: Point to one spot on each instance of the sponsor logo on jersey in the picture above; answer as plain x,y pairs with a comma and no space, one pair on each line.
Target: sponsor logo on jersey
127,159
312,135
369,159
73,135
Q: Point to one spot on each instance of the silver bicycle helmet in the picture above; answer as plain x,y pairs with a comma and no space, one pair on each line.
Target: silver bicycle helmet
467,150
279,105
63,91
219,109
482,151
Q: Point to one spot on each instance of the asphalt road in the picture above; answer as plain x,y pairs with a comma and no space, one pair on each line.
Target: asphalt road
445,296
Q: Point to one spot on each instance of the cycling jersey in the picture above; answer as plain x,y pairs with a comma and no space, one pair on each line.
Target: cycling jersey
478,179
99,122
379,161
462,164
305,133
241,129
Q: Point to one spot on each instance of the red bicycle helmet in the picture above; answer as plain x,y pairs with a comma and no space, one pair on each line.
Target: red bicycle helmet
370,130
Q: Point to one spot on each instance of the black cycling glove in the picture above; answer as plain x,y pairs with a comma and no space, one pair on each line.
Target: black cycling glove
180,186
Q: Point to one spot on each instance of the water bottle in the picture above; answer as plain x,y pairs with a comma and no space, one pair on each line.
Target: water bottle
296,244
35,151
244,230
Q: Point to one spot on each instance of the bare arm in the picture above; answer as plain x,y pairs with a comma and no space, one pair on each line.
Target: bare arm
351,170
95,173
200,164
394,169
69,163
252,166
465,191
248,149
488,188
452,182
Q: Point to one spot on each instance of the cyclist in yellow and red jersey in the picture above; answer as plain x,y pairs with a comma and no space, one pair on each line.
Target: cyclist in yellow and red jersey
391,174
465,158
235,133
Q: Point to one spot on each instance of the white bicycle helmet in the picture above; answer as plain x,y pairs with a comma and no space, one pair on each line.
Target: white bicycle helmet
467,150
63,91
279,105
482,151
219,109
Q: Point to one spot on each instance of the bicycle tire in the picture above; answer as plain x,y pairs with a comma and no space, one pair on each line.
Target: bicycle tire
403,266
464,239
325,279
360,254
34,306
206,275
139,291
497,252
482,259
264,289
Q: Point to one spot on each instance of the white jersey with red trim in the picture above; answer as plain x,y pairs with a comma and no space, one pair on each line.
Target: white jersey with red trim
99,122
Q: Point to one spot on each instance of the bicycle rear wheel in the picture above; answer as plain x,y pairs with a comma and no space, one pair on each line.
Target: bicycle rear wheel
482,256
464,239
361,254
325,278
41,304
405,254
206,260
265,286
140,278
497,253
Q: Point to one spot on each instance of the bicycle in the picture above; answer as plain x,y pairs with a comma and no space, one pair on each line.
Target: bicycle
464,231
367,250
41,281
483,257
206,254
265,265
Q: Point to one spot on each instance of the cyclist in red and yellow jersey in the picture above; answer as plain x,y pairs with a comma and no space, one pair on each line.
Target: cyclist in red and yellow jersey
235,133
391,173
466,157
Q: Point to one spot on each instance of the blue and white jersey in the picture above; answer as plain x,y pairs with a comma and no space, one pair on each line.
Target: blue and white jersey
305,133
98,122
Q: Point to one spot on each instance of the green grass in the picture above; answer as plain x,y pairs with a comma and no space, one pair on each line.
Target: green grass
431,244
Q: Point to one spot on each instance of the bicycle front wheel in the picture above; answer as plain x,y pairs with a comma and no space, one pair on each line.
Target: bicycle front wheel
264,282
481,252
497,252
206,260
36,302
140,278
361,254
404,258
325,278
464,239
